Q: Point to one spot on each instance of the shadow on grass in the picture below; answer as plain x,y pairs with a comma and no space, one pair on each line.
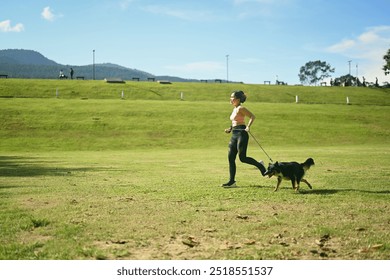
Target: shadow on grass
335,191
14,166
322,191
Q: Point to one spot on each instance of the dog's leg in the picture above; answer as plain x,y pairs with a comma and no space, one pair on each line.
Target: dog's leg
307,183
298,181
293,182
278,184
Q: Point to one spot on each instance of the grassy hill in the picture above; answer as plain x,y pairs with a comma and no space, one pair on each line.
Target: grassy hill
90,115
192,91
88,175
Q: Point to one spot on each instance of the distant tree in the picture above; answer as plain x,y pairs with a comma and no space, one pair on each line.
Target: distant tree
347,80
314,71
386,67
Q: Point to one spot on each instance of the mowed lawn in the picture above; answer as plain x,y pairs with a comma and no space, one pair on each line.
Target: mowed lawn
105,178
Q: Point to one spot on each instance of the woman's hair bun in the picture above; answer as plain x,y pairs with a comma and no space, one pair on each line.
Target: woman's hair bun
239,94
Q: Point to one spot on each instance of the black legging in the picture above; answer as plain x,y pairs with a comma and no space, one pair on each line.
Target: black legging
238,145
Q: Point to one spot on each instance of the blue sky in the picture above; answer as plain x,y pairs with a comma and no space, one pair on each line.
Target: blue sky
264,39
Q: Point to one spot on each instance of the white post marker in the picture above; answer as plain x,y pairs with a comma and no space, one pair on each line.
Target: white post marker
123,95
347,100
296,99
181,96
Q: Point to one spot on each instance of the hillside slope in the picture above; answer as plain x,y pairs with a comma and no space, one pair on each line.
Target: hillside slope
90,115
24,57
211,92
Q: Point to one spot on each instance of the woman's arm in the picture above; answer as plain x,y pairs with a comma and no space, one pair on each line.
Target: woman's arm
248,114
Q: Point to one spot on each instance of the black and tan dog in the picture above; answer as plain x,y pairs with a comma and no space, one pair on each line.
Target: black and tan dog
293,171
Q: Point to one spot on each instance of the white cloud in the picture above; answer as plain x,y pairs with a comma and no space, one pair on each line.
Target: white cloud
367,49
371,41
342,46
368,37
5,26
49,15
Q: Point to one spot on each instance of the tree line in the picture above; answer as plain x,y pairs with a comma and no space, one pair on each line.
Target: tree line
315,71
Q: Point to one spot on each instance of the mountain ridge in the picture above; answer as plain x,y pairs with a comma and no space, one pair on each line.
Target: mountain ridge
21,63
29,57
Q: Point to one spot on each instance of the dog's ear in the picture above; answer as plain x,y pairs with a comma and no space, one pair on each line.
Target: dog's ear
277,163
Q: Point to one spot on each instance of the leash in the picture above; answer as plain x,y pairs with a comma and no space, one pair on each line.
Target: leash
261,146
258,143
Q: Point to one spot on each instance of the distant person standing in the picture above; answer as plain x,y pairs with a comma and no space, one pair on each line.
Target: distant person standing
71,73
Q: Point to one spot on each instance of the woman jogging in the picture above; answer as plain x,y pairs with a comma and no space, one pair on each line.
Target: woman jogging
239,141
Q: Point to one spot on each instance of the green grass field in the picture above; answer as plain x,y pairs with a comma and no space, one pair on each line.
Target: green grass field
88,175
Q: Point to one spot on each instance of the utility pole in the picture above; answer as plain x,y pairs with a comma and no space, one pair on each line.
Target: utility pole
227,68
93,64
357,74
349,62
